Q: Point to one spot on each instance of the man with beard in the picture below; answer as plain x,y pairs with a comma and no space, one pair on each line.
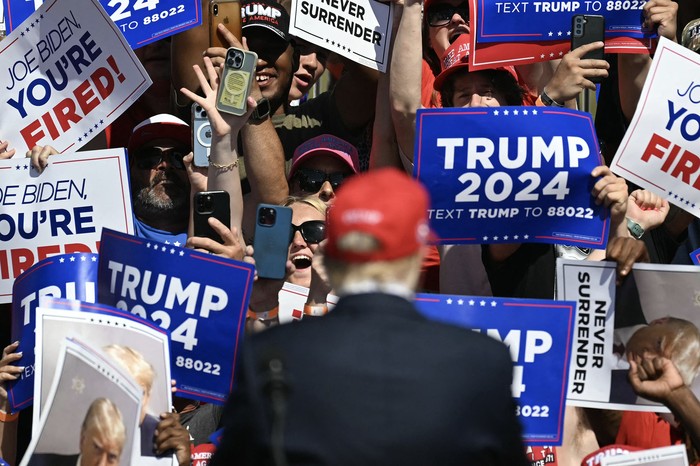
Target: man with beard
160,187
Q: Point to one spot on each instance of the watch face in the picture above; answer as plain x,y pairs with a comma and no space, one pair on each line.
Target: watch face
263,109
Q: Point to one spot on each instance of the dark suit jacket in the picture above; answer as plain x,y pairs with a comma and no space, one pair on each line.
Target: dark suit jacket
51,459
374,382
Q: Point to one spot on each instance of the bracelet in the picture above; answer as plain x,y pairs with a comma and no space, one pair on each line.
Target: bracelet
315,310
548,101
8,417
268,315
223,167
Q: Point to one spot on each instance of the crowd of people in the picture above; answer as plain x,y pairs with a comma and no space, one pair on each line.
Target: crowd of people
372,381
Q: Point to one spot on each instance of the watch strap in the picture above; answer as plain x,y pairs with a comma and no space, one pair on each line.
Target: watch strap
635,229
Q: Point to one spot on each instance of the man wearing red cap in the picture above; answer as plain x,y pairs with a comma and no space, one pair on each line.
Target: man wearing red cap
160,187
373,382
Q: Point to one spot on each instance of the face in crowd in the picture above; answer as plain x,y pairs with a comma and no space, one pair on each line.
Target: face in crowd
321,175
159,183
312,64
308,229
275,63
447,20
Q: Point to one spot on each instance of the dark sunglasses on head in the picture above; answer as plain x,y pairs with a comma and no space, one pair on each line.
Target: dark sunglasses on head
151,157
311,180
442,13
313,231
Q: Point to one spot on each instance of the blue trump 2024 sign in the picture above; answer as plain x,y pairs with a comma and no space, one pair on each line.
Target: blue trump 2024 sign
141,21
538,334
510,175
550,20
201,299
70,276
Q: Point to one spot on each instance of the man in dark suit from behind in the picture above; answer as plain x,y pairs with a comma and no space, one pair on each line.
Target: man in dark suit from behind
373,382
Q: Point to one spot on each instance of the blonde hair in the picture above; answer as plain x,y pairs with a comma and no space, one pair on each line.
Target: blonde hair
311,200
104,417
404,271
134,363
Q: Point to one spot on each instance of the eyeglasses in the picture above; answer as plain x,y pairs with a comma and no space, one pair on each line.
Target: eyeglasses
313,231
151,157
442,13
311,180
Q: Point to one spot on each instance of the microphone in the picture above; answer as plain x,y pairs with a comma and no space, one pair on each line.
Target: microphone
276,388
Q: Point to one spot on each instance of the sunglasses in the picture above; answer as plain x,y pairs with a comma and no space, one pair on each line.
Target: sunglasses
311,180
313,231
151,157
442,13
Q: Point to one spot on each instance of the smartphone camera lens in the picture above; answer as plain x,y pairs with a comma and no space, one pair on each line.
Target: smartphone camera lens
267,216
215,9
229,62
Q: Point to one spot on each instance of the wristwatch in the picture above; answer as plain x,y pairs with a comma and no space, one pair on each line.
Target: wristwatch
262,111
548,101
635,229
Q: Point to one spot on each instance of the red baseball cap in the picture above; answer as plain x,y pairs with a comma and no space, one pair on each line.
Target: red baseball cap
457,57
163,126
595,458
329,145
385,204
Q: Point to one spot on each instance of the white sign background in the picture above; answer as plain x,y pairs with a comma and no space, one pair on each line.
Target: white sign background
671,80
96,183
327,23
73,41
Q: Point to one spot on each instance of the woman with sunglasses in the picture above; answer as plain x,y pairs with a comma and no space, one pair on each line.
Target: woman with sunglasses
308,230
304,267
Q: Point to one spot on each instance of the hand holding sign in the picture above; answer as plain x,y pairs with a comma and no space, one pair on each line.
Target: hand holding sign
40,156
611,191
661,14
8,371
4,152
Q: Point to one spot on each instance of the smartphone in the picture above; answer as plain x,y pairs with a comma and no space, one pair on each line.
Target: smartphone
201,136
211,204
236,81
228,13
586,29
273,229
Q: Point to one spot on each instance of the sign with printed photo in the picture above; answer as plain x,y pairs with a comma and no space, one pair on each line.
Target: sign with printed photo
356,29
654,302
140,21
510,175
538,334
69,276
138,347
87,391
68,73
62,210
659,150
201,299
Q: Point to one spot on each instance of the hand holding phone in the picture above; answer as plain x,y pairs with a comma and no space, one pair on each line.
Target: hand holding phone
236,81
211,204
